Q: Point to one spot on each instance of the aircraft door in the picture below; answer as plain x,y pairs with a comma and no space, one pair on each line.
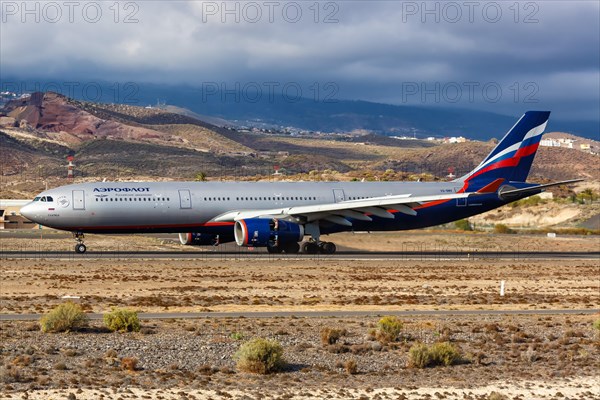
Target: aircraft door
78,200
185,199
338,195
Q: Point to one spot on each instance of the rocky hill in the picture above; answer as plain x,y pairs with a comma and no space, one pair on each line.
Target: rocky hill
112,141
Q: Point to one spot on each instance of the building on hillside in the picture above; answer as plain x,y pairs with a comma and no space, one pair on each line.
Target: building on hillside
454,139
549,143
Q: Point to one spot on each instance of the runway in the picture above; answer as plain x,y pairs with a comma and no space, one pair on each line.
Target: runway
325,314
342,255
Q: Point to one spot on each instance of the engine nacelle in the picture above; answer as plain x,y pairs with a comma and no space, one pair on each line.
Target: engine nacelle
198,239
263,232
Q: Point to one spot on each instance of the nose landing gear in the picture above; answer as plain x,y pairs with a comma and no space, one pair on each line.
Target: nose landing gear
79,246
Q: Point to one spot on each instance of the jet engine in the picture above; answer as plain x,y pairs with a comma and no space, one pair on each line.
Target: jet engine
264,232
199,239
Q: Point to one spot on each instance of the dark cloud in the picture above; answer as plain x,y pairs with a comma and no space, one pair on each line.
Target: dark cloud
372,50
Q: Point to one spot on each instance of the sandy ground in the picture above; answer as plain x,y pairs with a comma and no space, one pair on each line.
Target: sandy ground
34,286
174,354
586,388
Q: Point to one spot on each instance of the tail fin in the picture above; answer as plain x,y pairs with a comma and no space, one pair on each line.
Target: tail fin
511,159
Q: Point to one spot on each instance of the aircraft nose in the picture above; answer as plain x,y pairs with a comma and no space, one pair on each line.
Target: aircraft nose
27,211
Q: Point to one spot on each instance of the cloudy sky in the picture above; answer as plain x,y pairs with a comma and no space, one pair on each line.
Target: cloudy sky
500,56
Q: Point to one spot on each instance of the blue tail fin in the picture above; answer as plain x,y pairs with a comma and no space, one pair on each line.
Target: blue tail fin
511,159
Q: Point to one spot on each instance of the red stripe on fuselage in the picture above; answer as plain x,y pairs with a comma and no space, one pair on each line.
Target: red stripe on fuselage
437,202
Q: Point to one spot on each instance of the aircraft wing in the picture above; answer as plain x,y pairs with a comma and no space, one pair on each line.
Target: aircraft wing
338,212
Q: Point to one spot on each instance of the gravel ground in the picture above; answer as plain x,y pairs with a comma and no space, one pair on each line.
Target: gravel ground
196,357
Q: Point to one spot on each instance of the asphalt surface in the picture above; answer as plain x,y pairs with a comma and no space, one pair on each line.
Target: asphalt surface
341,255
324,314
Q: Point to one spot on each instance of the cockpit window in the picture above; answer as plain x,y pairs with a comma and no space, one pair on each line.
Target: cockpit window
43,198
49,198
37,199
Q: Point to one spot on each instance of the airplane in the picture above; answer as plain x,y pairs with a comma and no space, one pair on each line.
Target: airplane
279,215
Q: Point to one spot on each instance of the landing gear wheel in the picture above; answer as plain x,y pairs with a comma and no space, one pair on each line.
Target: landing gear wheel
79,246
327,248
291,248
274,249
310,248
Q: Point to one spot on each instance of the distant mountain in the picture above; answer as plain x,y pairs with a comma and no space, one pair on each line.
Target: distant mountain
116,141
224,109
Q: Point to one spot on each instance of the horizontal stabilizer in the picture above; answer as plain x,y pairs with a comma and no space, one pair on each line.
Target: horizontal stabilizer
534,189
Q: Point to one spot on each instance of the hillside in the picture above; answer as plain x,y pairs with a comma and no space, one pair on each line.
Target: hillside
113,141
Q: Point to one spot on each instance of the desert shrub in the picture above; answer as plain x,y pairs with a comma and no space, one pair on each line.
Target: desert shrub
259,356
463,225
501,228
111,354
129,363
529,201
64,318
497,396
60,366
122,320
530,356
330,335
418,356
351,366
22,360
596,325
237,335
443,353
12,374
388,329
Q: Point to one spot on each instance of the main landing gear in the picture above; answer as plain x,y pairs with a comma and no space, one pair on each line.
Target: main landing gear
310,247
79,246
313,247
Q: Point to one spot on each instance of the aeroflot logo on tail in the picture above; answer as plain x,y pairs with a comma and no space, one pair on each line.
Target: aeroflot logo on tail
125,189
